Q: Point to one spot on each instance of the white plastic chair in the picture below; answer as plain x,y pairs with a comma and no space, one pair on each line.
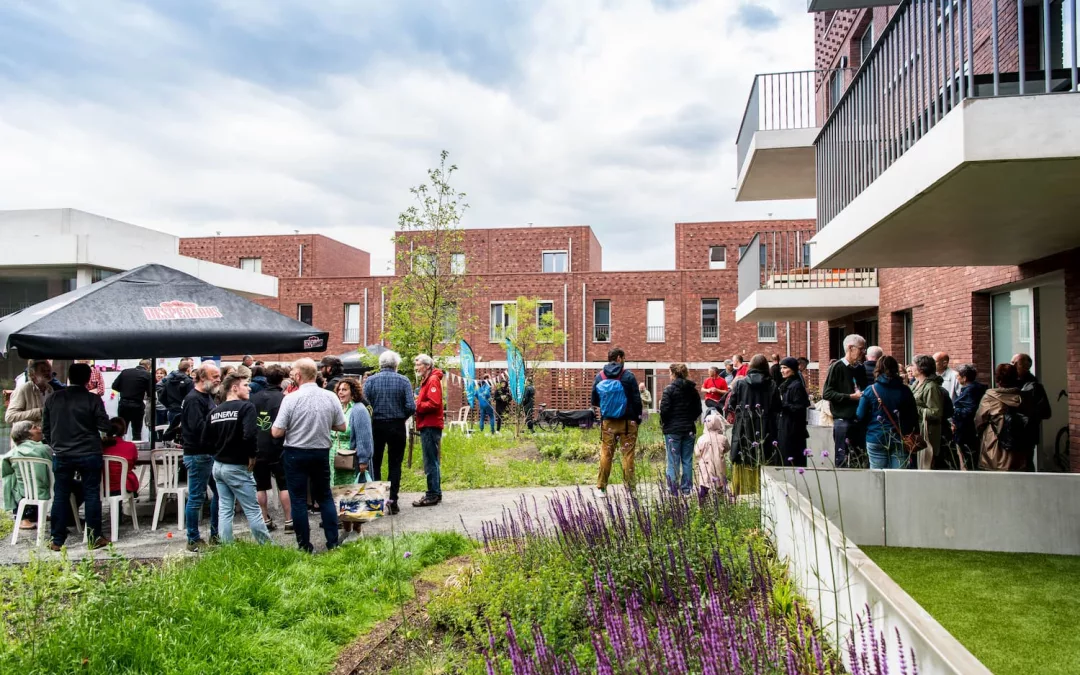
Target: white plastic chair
165,465
24,468
462,421
116,501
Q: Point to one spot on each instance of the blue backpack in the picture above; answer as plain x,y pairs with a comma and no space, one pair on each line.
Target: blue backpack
612,396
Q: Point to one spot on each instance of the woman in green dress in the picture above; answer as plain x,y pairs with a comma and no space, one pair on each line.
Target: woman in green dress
350,393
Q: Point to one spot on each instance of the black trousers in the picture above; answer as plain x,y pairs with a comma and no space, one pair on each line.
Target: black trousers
133,412
389,437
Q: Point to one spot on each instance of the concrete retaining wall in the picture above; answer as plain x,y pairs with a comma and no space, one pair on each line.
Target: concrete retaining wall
967,510
840,583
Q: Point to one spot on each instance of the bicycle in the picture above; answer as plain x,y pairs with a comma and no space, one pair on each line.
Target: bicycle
1061,442
556,420
548,420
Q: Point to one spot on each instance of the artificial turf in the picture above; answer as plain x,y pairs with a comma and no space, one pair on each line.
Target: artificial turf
1016,612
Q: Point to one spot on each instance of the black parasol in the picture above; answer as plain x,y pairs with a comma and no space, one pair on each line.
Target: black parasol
152,311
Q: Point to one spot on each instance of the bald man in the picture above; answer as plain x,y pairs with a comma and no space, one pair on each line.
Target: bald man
1034,397
949,379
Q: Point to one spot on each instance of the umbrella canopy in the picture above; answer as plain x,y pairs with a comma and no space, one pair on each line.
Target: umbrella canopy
351,360
152,311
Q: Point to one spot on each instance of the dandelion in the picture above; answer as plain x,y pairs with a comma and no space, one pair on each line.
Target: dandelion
408,554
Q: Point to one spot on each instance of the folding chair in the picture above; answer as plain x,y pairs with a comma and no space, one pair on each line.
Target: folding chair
24,469
165,465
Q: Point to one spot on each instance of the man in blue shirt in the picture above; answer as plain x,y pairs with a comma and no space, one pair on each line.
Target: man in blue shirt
392,403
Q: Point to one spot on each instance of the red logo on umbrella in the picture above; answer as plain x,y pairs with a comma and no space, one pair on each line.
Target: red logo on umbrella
313,342
178,309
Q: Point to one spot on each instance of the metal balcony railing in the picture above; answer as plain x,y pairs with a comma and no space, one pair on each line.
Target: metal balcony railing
601,332
352,336
710,333
779,101
654,334
781,261
932,56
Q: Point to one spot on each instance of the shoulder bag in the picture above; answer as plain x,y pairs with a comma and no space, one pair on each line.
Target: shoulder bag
913,442
345,460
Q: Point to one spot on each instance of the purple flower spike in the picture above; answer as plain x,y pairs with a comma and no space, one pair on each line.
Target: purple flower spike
807,452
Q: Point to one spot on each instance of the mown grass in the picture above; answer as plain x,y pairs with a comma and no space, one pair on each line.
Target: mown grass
540,459
239,609
1016,612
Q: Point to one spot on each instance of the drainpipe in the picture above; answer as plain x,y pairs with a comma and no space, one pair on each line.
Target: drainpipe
566,343
808,355
583,359
365,319
570,256
382,311
787,333
300,273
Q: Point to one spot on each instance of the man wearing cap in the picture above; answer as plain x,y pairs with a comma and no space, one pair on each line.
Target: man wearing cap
332,371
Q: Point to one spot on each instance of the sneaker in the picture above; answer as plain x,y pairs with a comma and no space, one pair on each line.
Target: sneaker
600,492
394,510
270,526
197,546
55,547
215,540
100,542
288,527
426,501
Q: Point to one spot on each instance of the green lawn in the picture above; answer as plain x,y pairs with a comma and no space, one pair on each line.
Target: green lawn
238,609
1018,613
540,459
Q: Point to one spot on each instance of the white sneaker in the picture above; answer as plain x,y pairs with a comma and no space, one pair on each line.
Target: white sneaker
600,492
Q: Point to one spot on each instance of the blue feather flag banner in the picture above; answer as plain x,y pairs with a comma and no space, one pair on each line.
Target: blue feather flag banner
468,372
515,371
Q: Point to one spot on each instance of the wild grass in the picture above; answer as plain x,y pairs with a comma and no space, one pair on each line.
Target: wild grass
1016,612
239,609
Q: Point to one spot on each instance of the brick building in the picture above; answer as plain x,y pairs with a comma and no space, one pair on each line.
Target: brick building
657,317
971,243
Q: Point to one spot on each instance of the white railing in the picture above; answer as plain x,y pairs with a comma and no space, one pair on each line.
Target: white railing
710,333
601,332
654,334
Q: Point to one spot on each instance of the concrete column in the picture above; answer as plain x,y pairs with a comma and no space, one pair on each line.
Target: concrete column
84,276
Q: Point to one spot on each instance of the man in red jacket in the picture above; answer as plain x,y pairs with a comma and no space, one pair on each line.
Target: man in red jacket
429,422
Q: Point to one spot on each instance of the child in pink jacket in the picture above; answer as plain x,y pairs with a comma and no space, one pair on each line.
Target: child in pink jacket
711,452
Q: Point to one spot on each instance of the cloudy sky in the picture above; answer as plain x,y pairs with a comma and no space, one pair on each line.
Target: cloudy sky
263,116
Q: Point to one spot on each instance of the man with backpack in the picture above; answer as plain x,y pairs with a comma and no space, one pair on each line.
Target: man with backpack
615,395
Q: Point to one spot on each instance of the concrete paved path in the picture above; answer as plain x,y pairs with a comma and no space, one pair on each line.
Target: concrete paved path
459,511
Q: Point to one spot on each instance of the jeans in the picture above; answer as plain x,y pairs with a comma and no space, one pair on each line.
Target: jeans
200,470
236,484
389,438
888,456
487,414
302,465
64,468
430,438
622,433
133,413
848,437
680,455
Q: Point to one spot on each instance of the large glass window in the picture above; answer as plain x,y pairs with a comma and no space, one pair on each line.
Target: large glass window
457,263
601,321
502,320
304,314
710,320
251,265
717,258
766,331
352,324
1012,317
555,261
654,321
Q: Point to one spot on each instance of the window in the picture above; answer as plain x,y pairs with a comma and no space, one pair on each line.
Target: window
502,320
717,258
654,321
742,249
423,263
866,43
836,84
303,313
766,331
555,261
806,255
98,274
836,341
457,263
710,320
251,265
909,337
601,312
352,324
449,322
545,320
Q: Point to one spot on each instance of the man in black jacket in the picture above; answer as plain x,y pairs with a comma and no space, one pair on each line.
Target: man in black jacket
268,464
332,371
1034,397
133,385
199,459
72,422
843,388
174,388
619,417
230,433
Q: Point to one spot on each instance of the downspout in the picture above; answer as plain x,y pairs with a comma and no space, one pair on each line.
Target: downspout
382,312
583,359
787,334
570,256
365,319
300,272
808,353
566,343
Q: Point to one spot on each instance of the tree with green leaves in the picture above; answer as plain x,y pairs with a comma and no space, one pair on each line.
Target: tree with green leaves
533,328
422,313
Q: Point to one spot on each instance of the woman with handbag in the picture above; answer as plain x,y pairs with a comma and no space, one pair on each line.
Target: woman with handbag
887,409
930,400
344,467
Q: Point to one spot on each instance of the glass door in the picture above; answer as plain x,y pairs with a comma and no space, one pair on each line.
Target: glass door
1012,323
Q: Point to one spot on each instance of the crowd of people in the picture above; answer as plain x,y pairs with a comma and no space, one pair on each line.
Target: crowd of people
307,427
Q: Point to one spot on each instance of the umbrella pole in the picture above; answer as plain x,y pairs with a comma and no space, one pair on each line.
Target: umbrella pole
153,405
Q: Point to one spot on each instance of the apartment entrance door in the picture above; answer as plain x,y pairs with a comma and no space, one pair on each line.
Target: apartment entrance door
1031,320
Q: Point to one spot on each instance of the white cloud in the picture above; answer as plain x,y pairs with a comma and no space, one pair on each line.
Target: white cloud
617,114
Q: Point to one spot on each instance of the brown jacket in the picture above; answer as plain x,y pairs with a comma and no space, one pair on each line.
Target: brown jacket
988,421
26,403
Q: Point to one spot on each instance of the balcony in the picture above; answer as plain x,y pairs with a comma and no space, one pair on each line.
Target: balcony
710,333
351,336
776,283
601,332
654,334
831,5
954,145
775,146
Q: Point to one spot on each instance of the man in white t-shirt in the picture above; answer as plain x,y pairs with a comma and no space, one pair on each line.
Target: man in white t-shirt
949,379
305,420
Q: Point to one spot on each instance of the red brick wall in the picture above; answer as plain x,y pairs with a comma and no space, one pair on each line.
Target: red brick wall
518,250
322,257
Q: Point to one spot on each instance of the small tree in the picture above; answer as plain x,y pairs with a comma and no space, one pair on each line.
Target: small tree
422,315
535,331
